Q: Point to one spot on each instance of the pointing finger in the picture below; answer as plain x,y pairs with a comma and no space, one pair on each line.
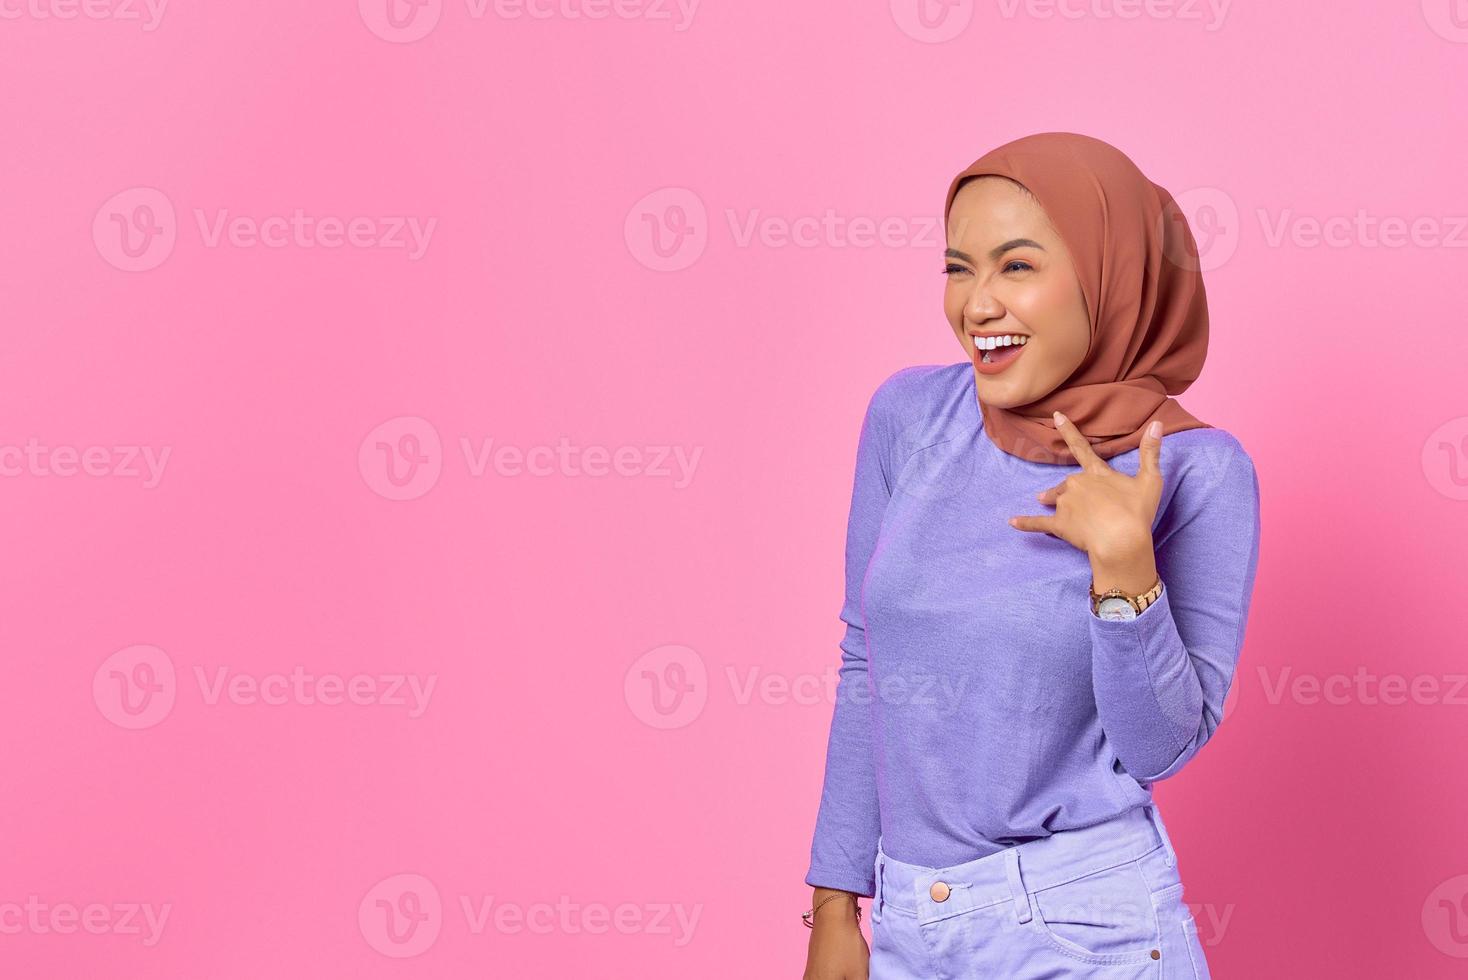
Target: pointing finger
1034,522
1079,447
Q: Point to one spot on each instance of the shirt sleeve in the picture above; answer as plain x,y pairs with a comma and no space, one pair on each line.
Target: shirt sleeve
844,848
1160,679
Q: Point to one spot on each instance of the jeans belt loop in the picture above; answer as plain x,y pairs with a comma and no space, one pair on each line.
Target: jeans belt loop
877,891
1156,817
1017,883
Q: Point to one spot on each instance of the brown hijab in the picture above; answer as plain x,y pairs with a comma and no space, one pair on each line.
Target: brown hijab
1137,263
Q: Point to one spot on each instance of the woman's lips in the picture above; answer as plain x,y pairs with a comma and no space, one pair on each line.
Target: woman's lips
999,358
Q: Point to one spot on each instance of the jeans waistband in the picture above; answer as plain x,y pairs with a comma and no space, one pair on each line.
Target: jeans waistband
1012,874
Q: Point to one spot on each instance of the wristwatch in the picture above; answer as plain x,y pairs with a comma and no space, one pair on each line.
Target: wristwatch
1117,604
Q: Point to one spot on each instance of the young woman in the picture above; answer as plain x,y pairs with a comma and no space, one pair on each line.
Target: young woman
1013,683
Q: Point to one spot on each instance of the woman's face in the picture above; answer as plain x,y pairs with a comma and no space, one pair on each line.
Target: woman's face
1009,273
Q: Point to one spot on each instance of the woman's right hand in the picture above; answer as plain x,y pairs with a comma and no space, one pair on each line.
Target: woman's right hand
838,950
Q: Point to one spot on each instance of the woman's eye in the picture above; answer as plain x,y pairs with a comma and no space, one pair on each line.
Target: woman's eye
1025,266
950,269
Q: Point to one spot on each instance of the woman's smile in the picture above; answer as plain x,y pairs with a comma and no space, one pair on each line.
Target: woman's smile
995,352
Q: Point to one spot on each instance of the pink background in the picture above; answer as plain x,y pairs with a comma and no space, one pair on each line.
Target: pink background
552,771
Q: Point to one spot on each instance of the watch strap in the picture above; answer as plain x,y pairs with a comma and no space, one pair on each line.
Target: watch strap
1138,602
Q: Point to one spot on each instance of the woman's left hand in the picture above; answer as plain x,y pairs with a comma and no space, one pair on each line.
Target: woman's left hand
1099,510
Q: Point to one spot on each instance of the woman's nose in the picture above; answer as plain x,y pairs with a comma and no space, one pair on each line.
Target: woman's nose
982,305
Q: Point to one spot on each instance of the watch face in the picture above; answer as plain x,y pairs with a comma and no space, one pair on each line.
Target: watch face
1115,608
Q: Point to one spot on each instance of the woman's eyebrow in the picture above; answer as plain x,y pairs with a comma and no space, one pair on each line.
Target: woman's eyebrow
997,250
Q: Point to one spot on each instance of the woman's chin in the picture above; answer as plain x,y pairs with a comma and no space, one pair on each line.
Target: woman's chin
1000,392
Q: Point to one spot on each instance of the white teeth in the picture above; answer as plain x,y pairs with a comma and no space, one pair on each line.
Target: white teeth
1004,340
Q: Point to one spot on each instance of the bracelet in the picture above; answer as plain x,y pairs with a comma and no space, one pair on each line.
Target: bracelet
809,916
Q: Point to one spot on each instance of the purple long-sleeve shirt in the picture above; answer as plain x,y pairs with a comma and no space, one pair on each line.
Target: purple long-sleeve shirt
980,702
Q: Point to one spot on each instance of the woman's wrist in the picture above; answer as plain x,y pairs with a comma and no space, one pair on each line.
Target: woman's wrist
1130,566
830,905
